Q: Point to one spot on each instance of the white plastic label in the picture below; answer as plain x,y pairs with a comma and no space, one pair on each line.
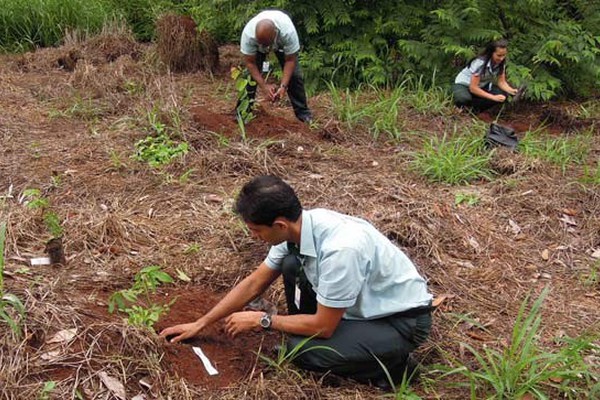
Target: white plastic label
297,297
209,367
265,66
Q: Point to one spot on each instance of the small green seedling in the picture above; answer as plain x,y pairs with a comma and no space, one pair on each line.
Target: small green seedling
245,108
470,199
159,150
145,283
47,390
35,199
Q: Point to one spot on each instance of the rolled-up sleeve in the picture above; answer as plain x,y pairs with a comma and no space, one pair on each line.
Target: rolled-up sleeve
276,255
342,276
291,43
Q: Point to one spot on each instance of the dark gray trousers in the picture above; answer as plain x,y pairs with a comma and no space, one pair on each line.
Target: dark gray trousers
295,91
464,98
357,344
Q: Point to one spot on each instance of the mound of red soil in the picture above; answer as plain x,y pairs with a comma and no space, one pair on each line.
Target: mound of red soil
266,124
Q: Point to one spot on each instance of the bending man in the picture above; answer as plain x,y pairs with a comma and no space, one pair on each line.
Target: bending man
346,285
274,30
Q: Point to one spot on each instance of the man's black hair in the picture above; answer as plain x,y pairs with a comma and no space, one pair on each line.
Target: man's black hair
266,198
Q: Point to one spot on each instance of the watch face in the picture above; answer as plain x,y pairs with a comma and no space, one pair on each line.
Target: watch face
265,321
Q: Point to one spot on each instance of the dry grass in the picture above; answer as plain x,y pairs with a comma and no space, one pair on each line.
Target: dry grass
182,48
120,215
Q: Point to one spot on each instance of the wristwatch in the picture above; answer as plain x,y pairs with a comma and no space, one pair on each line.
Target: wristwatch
283,85
265,321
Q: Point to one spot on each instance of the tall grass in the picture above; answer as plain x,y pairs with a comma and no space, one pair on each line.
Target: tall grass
523,368
456,160
383,112
561,151
26,24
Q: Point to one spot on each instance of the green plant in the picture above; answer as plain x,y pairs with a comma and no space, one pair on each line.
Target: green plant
192,248
36,200
245,107
591,176
592,278
284,357
52,222
185,177
47,390
458,160
30,24
470,198
145,283
560,151
401,391
523,367
115,159
159,150
8,300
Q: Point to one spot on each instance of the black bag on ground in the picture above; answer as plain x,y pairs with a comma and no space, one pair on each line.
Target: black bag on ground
499,135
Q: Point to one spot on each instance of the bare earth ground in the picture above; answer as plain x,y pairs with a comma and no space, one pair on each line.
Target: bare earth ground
71,135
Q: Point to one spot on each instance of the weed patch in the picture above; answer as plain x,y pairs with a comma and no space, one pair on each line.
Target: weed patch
455,161
559,151
523,368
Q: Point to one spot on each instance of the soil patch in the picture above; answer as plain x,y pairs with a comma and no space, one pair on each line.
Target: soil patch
233,358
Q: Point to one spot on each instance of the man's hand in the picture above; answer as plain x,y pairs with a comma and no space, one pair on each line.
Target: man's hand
271,91
280,93
513,91
499,98
183,331
242,321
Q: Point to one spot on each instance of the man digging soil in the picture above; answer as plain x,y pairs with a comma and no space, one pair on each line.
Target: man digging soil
274,30
347,287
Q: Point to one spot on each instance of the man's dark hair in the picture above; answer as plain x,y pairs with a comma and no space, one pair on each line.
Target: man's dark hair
266,198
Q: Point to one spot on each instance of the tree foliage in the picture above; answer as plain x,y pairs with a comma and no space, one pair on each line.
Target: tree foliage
554,44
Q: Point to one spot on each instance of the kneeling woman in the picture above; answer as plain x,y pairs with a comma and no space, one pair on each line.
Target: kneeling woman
482,83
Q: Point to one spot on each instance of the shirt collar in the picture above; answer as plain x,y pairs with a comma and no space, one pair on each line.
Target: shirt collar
307,241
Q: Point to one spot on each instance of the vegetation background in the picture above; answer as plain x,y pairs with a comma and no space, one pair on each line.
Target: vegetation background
554,44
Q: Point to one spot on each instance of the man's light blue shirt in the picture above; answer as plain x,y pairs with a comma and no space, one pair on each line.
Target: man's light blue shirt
352,265
286,39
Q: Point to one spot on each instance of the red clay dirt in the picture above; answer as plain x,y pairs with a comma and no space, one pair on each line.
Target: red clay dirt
233,358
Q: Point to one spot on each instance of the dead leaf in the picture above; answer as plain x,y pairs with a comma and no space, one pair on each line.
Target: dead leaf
182,276
568,220
545,254
465,264
51,356
570,211
440,299
114,385
527,396
475,335
474,243
139,396
596,253
213,198
64,336
514,227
